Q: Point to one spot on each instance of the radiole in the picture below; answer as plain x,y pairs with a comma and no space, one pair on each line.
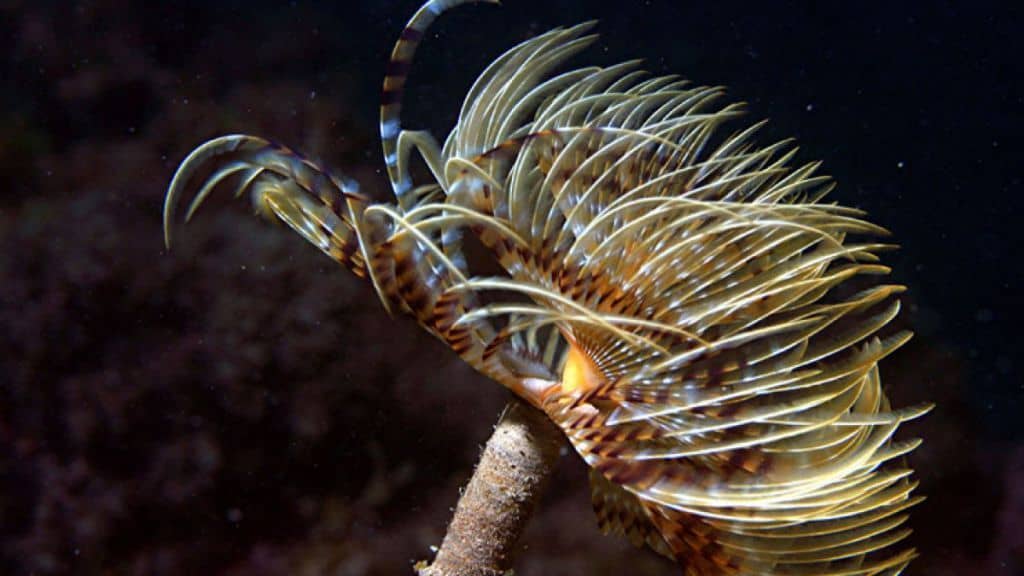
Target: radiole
676,298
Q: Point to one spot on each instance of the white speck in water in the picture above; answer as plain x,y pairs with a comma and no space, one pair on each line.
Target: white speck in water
810,107
312,94
900,164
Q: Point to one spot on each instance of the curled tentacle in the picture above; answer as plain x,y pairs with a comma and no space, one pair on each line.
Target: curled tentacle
394,87
323,208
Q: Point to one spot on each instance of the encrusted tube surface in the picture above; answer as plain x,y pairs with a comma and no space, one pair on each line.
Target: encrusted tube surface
500,498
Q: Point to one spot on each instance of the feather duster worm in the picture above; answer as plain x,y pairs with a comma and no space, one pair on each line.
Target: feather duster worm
675,298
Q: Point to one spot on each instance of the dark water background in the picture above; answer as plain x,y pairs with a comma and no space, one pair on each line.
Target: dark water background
242,406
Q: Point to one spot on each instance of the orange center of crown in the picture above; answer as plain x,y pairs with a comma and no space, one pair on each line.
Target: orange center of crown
579,373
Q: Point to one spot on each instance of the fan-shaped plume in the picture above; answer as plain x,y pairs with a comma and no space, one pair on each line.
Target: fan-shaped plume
683,303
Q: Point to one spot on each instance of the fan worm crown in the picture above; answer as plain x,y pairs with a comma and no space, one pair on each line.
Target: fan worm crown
683,303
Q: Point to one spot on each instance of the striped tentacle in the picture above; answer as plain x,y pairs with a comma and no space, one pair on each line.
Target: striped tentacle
323,208
505,95
510,91
394,87
417,276
414,271
621,512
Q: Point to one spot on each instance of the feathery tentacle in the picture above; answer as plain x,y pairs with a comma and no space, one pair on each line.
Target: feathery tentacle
395,156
